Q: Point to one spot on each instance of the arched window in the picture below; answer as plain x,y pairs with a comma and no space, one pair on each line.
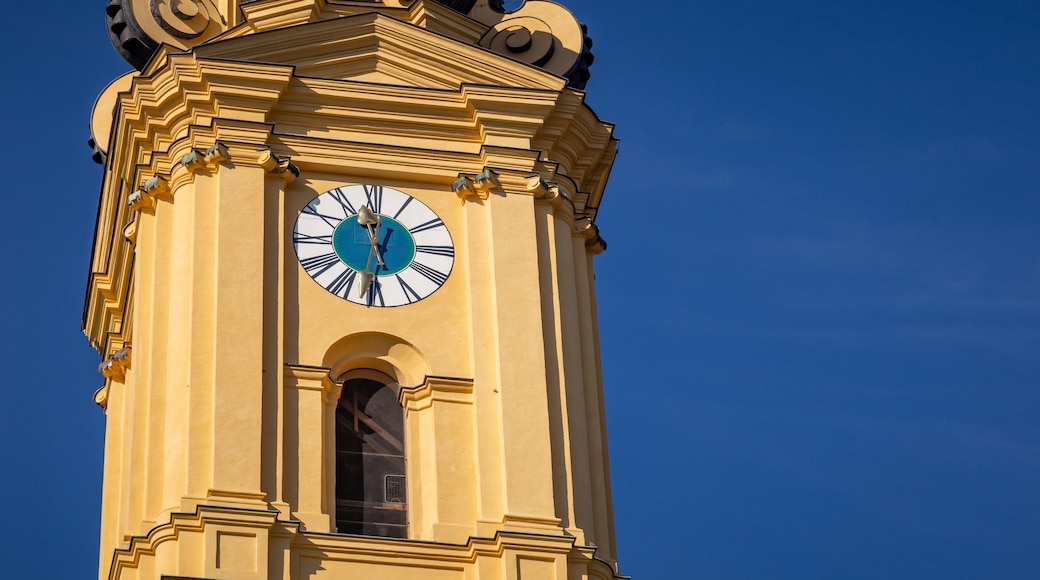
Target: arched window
370,467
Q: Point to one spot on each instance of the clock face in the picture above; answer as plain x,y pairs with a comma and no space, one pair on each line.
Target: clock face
373,245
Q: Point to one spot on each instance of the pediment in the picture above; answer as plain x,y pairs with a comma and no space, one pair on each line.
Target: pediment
374,47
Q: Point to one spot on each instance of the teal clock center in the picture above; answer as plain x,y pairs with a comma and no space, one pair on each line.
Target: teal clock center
353,245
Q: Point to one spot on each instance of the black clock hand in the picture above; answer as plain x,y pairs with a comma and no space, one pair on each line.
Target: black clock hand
374,238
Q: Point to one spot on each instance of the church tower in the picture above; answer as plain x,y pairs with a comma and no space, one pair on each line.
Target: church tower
342,284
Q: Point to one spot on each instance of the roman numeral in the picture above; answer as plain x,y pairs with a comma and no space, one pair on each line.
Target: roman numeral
342,200
374,193
332,221
317,265
407,201
309,239
375,293
436,250
434,223
341,285
409,293
429,273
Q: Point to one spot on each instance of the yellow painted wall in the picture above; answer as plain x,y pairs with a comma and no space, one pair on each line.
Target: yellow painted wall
219,455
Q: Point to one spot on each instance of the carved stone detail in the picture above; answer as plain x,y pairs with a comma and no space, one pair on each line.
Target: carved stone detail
186,19
101,397
205,160
138,27
130,231
129,40
550,192
156,187
141,200
479,185
280,165
590,231
541,33
103,116
116,366
195,161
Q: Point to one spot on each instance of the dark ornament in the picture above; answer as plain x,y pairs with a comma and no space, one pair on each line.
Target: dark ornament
97,154
464,6
579,74
126,34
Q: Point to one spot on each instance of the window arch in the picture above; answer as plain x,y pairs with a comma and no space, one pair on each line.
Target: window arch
370,457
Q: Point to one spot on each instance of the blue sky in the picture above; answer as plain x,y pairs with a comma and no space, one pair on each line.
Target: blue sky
820,309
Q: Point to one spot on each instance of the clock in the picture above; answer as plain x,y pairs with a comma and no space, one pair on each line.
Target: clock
373,245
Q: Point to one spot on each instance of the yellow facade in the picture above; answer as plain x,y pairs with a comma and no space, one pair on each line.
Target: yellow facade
225,360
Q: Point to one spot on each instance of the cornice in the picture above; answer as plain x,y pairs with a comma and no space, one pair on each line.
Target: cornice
346,47
342,547
380,550
436,389
129,558
266,15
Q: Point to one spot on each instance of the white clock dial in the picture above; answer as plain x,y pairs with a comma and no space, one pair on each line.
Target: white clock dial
373,245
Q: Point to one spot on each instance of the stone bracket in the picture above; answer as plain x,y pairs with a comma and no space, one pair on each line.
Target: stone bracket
593,241
279,164
205,160
479,186
115,367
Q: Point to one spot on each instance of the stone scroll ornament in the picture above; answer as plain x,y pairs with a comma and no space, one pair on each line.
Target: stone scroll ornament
538,32
137,27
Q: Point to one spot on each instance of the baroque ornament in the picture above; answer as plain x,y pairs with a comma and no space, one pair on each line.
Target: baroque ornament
538,32
138,27
541,33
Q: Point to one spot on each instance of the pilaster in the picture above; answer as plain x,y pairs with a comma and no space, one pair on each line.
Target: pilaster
442,467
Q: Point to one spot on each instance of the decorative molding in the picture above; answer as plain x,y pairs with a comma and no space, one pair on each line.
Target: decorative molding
305,372
309,377
128,559
130,231
436,389
485,549
115,367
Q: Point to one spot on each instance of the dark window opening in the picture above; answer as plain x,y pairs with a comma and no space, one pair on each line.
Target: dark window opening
370,484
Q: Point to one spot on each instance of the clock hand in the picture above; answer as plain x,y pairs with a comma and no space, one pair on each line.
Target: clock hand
366,276
364,282
368,218
375,240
